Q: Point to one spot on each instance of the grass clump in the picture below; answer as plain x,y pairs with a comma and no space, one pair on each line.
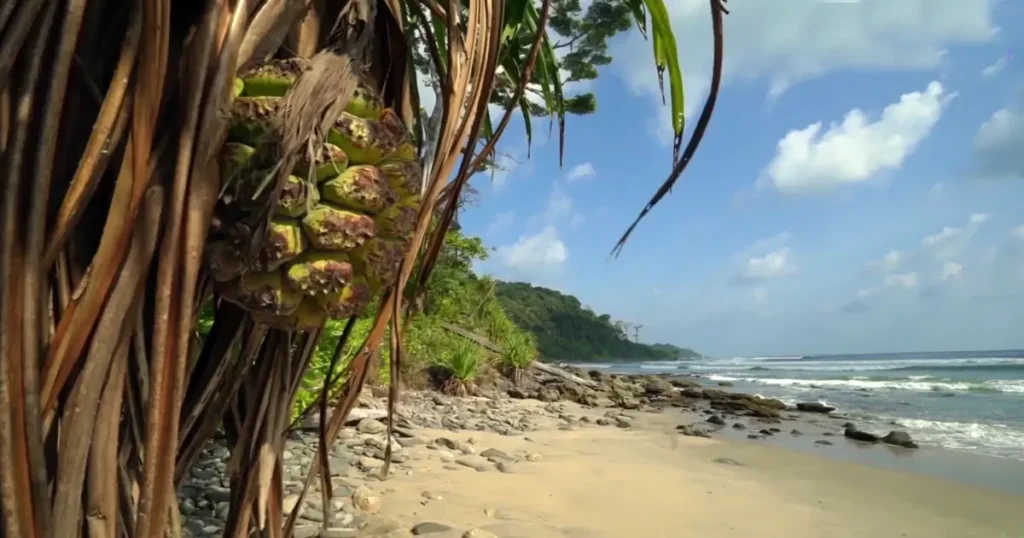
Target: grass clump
462,362
518,351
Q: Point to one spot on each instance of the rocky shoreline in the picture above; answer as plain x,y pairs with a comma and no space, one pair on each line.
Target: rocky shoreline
548,399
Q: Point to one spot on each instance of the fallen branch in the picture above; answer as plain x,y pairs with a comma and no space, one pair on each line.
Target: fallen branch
539,366
558,372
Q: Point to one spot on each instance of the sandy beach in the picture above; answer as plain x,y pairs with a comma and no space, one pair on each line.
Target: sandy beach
636,457
648,481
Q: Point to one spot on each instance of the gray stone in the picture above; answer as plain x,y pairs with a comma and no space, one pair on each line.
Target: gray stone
339,532
371,426
306,531
369,463
218,494
495,453
222,510
475,462
899,438
380,526
429,527
505,467
312,514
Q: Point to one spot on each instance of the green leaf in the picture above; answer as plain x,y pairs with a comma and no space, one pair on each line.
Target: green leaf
639,14
515,13
666,56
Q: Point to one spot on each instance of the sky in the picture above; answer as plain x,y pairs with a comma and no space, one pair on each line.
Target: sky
860,187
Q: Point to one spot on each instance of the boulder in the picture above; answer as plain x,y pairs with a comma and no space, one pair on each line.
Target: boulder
815,407
656,386
692,431
899,438
858,435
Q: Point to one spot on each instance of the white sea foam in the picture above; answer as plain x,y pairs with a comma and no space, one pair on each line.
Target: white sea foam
997,439
657,366
763,363
1008,385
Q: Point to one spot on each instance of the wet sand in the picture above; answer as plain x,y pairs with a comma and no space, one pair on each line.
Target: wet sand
649,481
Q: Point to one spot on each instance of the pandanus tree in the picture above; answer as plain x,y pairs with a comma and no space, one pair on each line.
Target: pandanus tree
263,158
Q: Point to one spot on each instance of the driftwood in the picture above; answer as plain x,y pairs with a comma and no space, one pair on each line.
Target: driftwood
537,365
558,372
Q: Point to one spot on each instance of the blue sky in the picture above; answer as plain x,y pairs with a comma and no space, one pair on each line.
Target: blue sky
860,187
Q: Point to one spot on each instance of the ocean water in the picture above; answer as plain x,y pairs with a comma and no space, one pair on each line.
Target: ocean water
966,401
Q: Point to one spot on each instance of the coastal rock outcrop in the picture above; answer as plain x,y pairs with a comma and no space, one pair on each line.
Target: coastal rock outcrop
899,438
815,407
851,432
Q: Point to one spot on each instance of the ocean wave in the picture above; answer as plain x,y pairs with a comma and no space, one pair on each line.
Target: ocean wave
984,364
998,439
655,366
921,385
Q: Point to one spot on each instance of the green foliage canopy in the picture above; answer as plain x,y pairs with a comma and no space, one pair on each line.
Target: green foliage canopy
566,330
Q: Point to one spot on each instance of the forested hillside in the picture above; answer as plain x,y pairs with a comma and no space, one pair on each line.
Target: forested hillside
566,330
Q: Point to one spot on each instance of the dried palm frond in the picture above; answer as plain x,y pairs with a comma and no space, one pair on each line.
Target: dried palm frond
112,114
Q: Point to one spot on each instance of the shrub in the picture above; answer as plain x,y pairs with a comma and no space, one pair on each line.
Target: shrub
518,351
462,361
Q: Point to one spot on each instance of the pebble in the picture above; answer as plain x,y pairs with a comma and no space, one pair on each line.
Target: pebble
357,455
366,501
478,533
370,463
475,462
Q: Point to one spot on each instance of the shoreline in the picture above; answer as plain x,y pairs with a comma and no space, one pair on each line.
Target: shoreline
631,460
1000,473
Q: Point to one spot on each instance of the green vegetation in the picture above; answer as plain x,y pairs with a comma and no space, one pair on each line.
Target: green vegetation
676,351
463,362
518,350
523,321
455,296
566,330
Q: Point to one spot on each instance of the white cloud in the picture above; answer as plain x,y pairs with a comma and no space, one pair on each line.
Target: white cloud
997,150
774,264
905,280
947,234
995,68
951,241
763,245
951,270
789,42
581,172
559,205
502,221
1018,232
533,254
855,150
890,262
864,293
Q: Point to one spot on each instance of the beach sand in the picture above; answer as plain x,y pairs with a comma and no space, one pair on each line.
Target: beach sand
649,481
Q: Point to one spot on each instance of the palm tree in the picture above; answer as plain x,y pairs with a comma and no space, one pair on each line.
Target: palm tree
111,115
